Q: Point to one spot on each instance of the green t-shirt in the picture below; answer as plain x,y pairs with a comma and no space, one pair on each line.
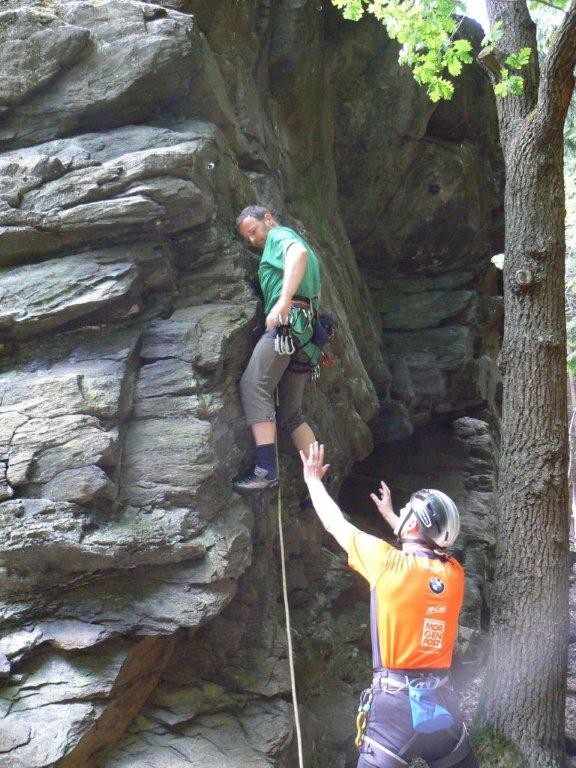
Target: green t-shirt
271,269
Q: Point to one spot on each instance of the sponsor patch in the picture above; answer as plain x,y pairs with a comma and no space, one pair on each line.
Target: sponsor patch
433,633
436,609
436,585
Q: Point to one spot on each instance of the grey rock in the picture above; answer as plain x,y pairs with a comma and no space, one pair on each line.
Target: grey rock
137,182
252,737
71,635
81,486
48,680
131,71
35,46
49,686
412,311
77,545
446,183
5,666
6,490
14,735
14,644
62,443
68,381
41,297
400,228
35,742
393,423
451,346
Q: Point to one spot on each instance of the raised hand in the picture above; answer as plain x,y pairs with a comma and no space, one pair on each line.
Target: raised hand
384,504
313,464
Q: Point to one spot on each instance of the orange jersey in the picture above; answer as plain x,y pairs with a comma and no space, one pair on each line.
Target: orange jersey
415,602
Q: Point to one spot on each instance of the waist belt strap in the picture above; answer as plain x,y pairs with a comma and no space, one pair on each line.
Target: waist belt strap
399,681
376,747
460,751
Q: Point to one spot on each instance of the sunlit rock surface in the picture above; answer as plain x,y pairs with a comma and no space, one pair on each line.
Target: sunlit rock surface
142,623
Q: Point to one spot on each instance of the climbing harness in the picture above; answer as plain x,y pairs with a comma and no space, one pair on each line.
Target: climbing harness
305,331
460,751
287,615
291,329
388,755
362,716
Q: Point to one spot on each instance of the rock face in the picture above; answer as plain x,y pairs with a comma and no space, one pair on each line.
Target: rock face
141,617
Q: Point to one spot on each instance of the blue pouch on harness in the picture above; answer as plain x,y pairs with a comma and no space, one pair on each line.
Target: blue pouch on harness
324,329
428,715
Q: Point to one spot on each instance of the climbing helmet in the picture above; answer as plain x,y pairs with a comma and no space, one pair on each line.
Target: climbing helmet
438,516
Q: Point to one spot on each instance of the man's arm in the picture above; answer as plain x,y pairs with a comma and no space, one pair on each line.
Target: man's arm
327,510
295,261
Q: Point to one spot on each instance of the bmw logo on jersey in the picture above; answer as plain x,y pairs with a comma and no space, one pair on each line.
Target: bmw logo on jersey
436,585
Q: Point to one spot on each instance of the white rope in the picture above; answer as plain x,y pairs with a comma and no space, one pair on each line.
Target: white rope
288,625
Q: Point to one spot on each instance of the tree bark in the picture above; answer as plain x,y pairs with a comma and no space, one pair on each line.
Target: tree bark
524,695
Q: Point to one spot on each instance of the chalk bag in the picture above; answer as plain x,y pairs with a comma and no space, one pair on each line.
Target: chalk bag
428,715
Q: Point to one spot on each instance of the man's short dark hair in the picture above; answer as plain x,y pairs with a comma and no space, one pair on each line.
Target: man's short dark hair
254,211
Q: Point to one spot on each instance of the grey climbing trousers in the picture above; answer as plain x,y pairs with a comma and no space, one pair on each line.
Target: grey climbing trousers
266,371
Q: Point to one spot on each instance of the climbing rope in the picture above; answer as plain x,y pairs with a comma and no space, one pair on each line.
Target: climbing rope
288,624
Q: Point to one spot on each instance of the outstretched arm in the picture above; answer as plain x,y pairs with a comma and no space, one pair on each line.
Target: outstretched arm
327,510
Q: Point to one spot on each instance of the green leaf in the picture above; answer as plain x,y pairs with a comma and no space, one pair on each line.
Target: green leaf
493,36
351,9
424,29
440,89
455,67
516,84
519,59
462,46
509,84
501,89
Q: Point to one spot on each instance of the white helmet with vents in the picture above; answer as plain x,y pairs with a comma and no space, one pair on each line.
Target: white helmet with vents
438,516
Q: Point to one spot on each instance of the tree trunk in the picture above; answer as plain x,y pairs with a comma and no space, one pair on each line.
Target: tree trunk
530,596
572,453
524,695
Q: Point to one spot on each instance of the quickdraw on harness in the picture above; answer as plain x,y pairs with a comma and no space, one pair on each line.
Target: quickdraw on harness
284,341
362,716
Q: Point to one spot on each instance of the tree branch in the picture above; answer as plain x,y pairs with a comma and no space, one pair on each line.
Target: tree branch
557,81
518,31
550,5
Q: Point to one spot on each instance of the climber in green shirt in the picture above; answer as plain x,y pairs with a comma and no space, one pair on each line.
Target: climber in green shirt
289,275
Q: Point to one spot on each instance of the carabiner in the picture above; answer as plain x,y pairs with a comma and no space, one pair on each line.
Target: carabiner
362,716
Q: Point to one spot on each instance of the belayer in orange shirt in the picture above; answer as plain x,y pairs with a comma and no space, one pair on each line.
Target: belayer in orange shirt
416,594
